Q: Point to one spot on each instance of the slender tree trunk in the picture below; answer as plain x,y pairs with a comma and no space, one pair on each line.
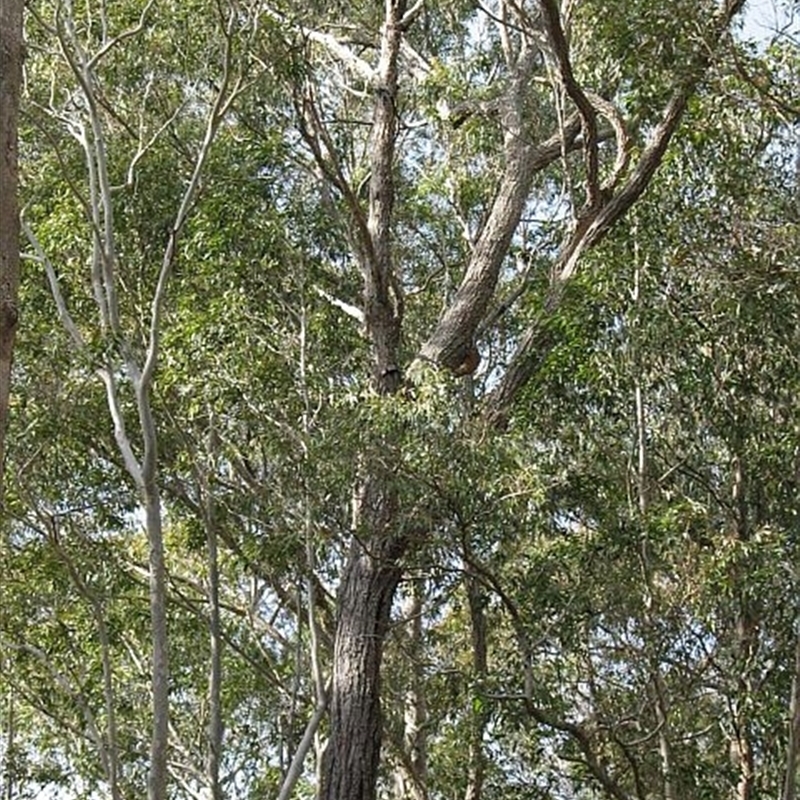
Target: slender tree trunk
746,644
215,719
8,755
411,775
790,778
10,85
159,743
476,767
651,599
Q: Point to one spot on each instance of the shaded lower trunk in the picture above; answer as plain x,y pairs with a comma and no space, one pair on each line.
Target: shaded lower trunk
364,604
350,771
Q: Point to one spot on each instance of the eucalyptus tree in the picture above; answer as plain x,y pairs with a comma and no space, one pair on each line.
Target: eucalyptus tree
569,123
642,563
235,374
116,93
341,265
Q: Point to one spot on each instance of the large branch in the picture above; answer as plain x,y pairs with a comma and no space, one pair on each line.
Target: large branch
538,340
451,339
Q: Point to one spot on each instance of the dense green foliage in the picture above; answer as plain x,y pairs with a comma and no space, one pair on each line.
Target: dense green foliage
602,599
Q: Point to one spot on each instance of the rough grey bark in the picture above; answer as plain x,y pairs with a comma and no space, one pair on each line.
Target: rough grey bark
11,52
352,758
365,601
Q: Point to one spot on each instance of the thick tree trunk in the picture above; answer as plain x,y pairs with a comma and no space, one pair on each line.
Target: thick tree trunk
10,83
365,600
350,769
351,762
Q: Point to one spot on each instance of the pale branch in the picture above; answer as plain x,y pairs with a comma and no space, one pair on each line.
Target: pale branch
352,311
98,274
55,289
504,28
410,15
132,465
417,66
333,45
120,37
144,146
106,373
296,767
97,161
90,206
226,94
308,416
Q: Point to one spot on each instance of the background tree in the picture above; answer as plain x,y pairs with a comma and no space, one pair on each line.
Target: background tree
11,50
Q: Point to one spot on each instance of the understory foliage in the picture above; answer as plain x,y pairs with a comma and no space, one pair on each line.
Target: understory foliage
594,586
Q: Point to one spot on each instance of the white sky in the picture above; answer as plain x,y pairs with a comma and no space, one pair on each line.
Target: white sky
763,18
